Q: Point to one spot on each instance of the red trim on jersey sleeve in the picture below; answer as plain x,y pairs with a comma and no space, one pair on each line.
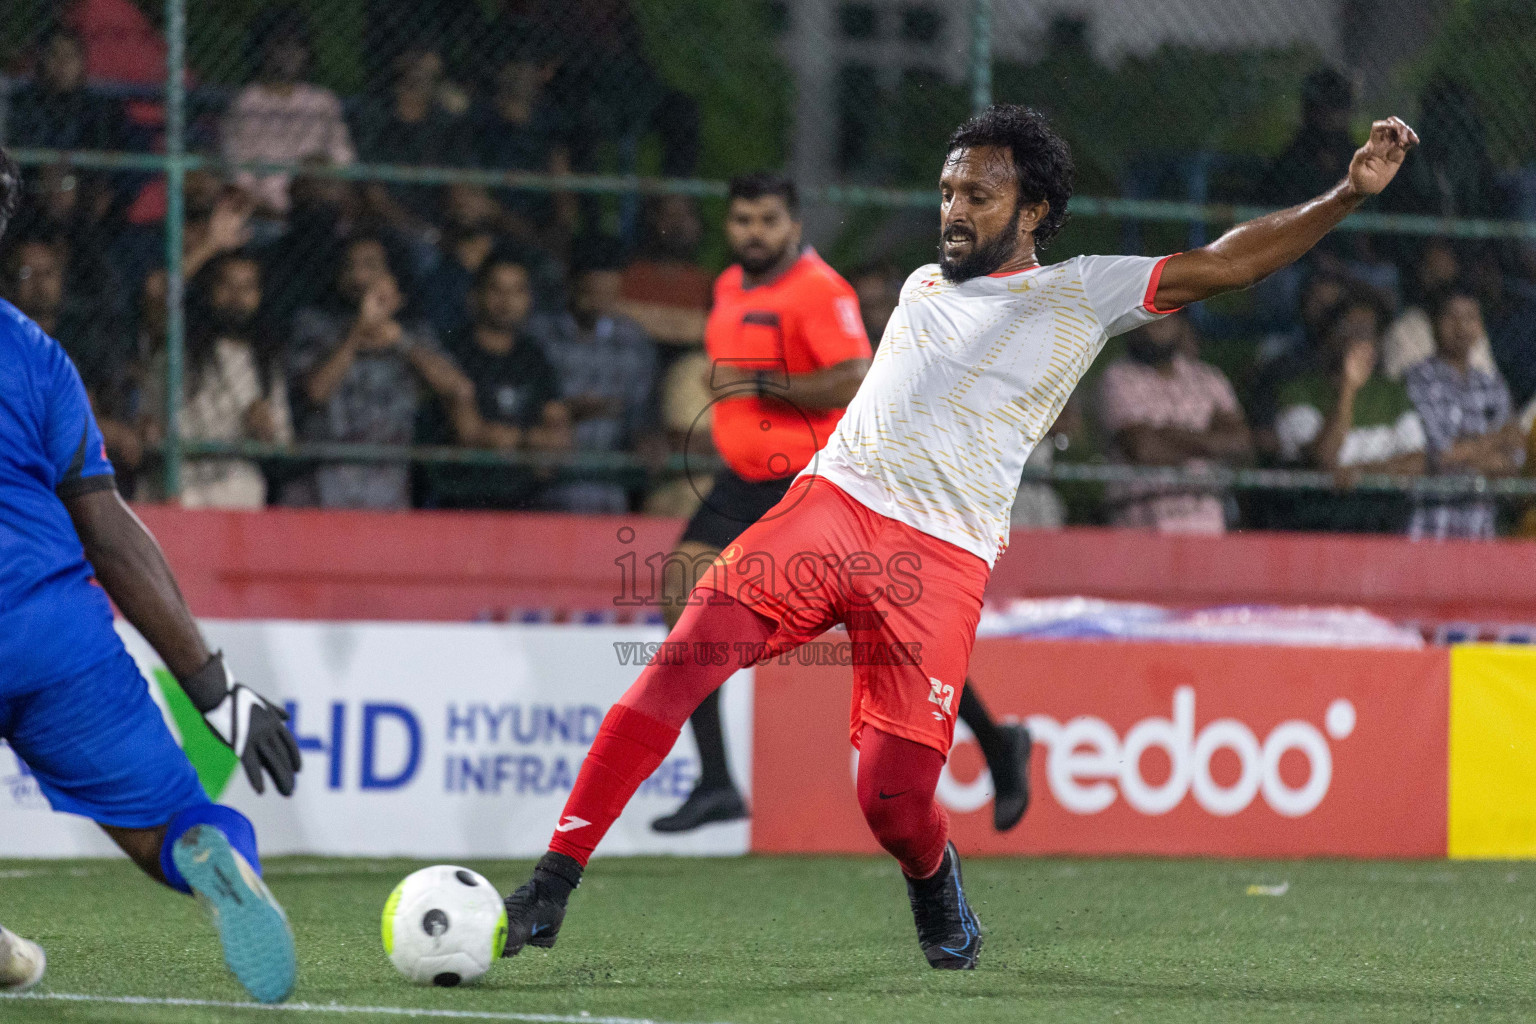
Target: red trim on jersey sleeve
1149,301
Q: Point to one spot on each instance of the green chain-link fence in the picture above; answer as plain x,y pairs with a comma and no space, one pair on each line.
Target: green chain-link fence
444,128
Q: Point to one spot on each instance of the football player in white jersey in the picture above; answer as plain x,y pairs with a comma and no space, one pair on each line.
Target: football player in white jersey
893,528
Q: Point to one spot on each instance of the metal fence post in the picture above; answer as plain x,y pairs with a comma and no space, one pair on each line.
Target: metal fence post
981,55
175,215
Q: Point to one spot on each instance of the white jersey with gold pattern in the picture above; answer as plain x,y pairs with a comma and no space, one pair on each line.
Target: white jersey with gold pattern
968,379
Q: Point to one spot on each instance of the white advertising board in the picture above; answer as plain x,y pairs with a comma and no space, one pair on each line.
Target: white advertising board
424,740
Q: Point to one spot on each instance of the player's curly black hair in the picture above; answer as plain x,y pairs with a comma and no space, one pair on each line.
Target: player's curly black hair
10,189
1041,158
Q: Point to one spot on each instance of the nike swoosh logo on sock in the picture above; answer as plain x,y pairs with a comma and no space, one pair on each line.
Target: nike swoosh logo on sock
891,796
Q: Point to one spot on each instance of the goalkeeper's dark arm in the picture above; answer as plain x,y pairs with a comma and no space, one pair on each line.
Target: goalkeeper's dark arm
133,571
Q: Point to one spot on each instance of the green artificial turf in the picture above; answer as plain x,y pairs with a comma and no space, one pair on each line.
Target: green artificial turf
830,939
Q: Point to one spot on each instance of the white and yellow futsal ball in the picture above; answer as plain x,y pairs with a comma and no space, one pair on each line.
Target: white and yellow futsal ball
444,925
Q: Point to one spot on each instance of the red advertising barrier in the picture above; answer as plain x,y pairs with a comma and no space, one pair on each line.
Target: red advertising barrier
1152,748
314,564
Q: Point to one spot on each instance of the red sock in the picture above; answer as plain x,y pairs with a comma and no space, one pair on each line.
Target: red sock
897,779
629,746
640,730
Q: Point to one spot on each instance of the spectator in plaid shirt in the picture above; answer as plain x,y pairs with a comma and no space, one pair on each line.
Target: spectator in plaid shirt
1465,409
606,366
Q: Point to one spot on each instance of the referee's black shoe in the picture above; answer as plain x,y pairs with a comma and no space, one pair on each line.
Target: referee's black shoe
947,928
704,806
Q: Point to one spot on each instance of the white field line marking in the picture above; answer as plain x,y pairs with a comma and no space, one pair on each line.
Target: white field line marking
387,1011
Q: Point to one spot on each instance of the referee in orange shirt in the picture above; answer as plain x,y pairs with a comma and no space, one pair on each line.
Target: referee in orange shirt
787,351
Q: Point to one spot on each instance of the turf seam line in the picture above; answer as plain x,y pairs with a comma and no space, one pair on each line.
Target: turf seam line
393,1011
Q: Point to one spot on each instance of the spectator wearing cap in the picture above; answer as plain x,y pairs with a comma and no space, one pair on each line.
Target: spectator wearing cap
606,366
360,371
283,118
1468,424
516,393
1162,407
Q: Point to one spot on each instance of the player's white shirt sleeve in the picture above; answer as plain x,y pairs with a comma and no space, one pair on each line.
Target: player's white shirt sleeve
1122,290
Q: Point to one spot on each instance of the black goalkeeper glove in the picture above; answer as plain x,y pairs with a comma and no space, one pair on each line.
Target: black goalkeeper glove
249,724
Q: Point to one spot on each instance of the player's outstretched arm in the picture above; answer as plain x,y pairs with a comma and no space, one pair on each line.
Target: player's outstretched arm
133,571
1257,248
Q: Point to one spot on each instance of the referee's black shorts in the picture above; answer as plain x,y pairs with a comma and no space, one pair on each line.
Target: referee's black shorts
733,505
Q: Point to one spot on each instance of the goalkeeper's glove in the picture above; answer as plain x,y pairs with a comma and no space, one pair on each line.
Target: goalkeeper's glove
249,724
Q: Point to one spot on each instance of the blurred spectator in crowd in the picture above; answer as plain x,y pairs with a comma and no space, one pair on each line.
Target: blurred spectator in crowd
1037,506
282,118
33,280
612,93
1319,294
1346,418
878,286
1284,356
1466,412
57,110
218,220
1318,155
606,368
1316,159
1161,407
420,122
519,128
471,229
75,207
358,371
516,403
1411,338
686,422
232,386
1509,312
1449,174
295,265
664,288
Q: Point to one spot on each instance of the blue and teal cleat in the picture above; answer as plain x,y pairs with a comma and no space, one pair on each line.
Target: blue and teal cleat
258,944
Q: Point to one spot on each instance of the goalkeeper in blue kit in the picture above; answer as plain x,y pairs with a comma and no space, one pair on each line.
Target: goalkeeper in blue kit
73,705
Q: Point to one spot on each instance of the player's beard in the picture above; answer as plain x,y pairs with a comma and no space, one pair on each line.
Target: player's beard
757,265
985,256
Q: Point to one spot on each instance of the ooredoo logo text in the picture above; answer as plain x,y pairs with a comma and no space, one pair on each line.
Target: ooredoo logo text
1088,766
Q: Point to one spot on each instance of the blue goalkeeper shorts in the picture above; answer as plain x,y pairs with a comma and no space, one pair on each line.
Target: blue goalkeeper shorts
99,747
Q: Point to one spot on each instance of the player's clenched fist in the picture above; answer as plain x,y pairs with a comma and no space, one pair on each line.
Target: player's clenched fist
1376,163
249,724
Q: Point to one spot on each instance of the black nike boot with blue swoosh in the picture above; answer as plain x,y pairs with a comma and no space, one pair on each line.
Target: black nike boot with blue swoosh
536,911
947,928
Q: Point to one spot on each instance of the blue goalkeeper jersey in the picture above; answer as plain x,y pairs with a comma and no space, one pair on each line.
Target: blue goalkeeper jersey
55,620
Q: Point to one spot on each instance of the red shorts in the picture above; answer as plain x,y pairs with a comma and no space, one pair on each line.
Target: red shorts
910,603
